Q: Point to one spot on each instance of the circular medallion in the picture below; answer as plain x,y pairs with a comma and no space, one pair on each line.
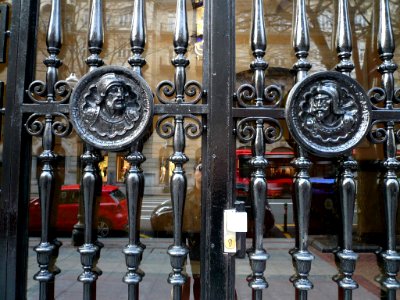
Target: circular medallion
111,107
328,113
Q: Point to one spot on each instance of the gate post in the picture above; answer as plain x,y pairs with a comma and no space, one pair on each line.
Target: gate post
217,268
17,153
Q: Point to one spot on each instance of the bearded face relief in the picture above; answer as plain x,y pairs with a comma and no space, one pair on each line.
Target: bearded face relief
111,106
326,111
117,106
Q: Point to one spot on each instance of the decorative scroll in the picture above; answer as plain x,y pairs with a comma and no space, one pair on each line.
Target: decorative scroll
166,92
38,92
165,127
60,125
246,132
377,96
46,126
328,113
246,95
111,107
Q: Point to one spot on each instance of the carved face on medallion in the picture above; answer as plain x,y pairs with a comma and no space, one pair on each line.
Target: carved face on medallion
110,106
327,113
328,108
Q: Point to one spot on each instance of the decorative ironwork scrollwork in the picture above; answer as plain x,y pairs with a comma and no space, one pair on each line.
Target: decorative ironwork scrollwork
166,92
376,95
63,90
38,92
378,135
39,89
246,131
246,95
61,126
34,126
165,126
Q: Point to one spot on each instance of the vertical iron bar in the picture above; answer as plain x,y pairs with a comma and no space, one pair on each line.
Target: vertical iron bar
47,250
135,179
134,250
301,256
258,46
138,37
258,184
258,188
347,186
178,251
91,181
390,257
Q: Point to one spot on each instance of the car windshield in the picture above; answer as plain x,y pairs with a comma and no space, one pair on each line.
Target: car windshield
117,195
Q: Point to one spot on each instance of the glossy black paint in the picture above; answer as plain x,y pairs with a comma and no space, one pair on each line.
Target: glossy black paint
13,214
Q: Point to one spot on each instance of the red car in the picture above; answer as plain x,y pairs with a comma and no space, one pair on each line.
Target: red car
112,214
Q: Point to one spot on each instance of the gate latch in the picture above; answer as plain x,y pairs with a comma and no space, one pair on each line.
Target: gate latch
234,221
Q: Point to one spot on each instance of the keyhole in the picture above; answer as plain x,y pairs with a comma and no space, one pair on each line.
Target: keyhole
230,243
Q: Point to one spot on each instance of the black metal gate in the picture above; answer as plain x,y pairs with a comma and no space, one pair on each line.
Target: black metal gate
111,108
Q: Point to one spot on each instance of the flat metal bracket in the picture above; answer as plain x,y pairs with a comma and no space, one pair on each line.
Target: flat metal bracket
3,31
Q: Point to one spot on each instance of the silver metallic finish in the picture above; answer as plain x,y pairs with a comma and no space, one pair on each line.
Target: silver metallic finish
301,257
258,131
47,250
258,190
301,41
328,113
248,94
133,251
178,251
389,256
347,186
179,93
91,180
95,35
346,256
111,107
258,46
138,37
89,250
344,39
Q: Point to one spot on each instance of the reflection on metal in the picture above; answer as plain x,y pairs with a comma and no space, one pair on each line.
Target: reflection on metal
258,131
133,251
301,257
328,113
389,257
3,31
347,186
111,107
47,250
176,94
91,179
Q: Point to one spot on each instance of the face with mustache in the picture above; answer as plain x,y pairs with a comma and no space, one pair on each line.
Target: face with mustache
115,99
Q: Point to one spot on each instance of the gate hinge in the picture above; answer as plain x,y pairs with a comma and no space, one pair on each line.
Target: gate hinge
3,31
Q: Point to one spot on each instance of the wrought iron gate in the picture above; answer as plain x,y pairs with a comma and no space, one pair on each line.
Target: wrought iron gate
112,108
